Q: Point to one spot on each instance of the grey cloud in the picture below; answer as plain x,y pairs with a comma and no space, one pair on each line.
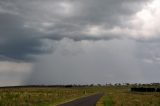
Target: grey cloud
25,24
101,62
95,40
149,52
17,42
113,61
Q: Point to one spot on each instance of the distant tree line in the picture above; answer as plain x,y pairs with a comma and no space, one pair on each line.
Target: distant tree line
145,89
135,85
37,86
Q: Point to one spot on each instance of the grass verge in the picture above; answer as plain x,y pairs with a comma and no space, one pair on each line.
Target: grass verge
108,101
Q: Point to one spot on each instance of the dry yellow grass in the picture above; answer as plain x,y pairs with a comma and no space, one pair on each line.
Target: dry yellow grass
42,96
113,96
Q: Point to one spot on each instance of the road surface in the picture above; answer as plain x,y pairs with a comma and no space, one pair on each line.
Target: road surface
85,101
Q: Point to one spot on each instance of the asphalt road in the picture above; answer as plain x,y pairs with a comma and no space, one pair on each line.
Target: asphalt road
85,101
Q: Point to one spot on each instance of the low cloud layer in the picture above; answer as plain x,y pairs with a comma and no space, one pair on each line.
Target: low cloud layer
85,62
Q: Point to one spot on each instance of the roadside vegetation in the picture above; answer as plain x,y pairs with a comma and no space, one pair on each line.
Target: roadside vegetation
122,96
114,95
42,96
108,101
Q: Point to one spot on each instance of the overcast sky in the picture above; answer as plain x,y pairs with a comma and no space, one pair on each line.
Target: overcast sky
79,41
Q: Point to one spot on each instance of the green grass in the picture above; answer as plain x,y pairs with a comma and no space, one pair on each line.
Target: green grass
108,101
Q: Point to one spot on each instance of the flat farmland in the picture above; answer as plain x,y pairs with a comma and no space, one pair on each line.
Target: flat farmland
122,96
42,96
52,96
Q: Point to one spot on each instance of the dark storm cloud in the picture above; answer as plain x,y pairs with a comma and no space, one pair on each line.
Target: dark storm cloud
25,24
17,42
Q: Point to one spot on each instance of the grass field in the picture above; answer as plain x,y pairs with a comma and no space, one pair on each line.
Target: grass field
41,96
121,96
47,96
